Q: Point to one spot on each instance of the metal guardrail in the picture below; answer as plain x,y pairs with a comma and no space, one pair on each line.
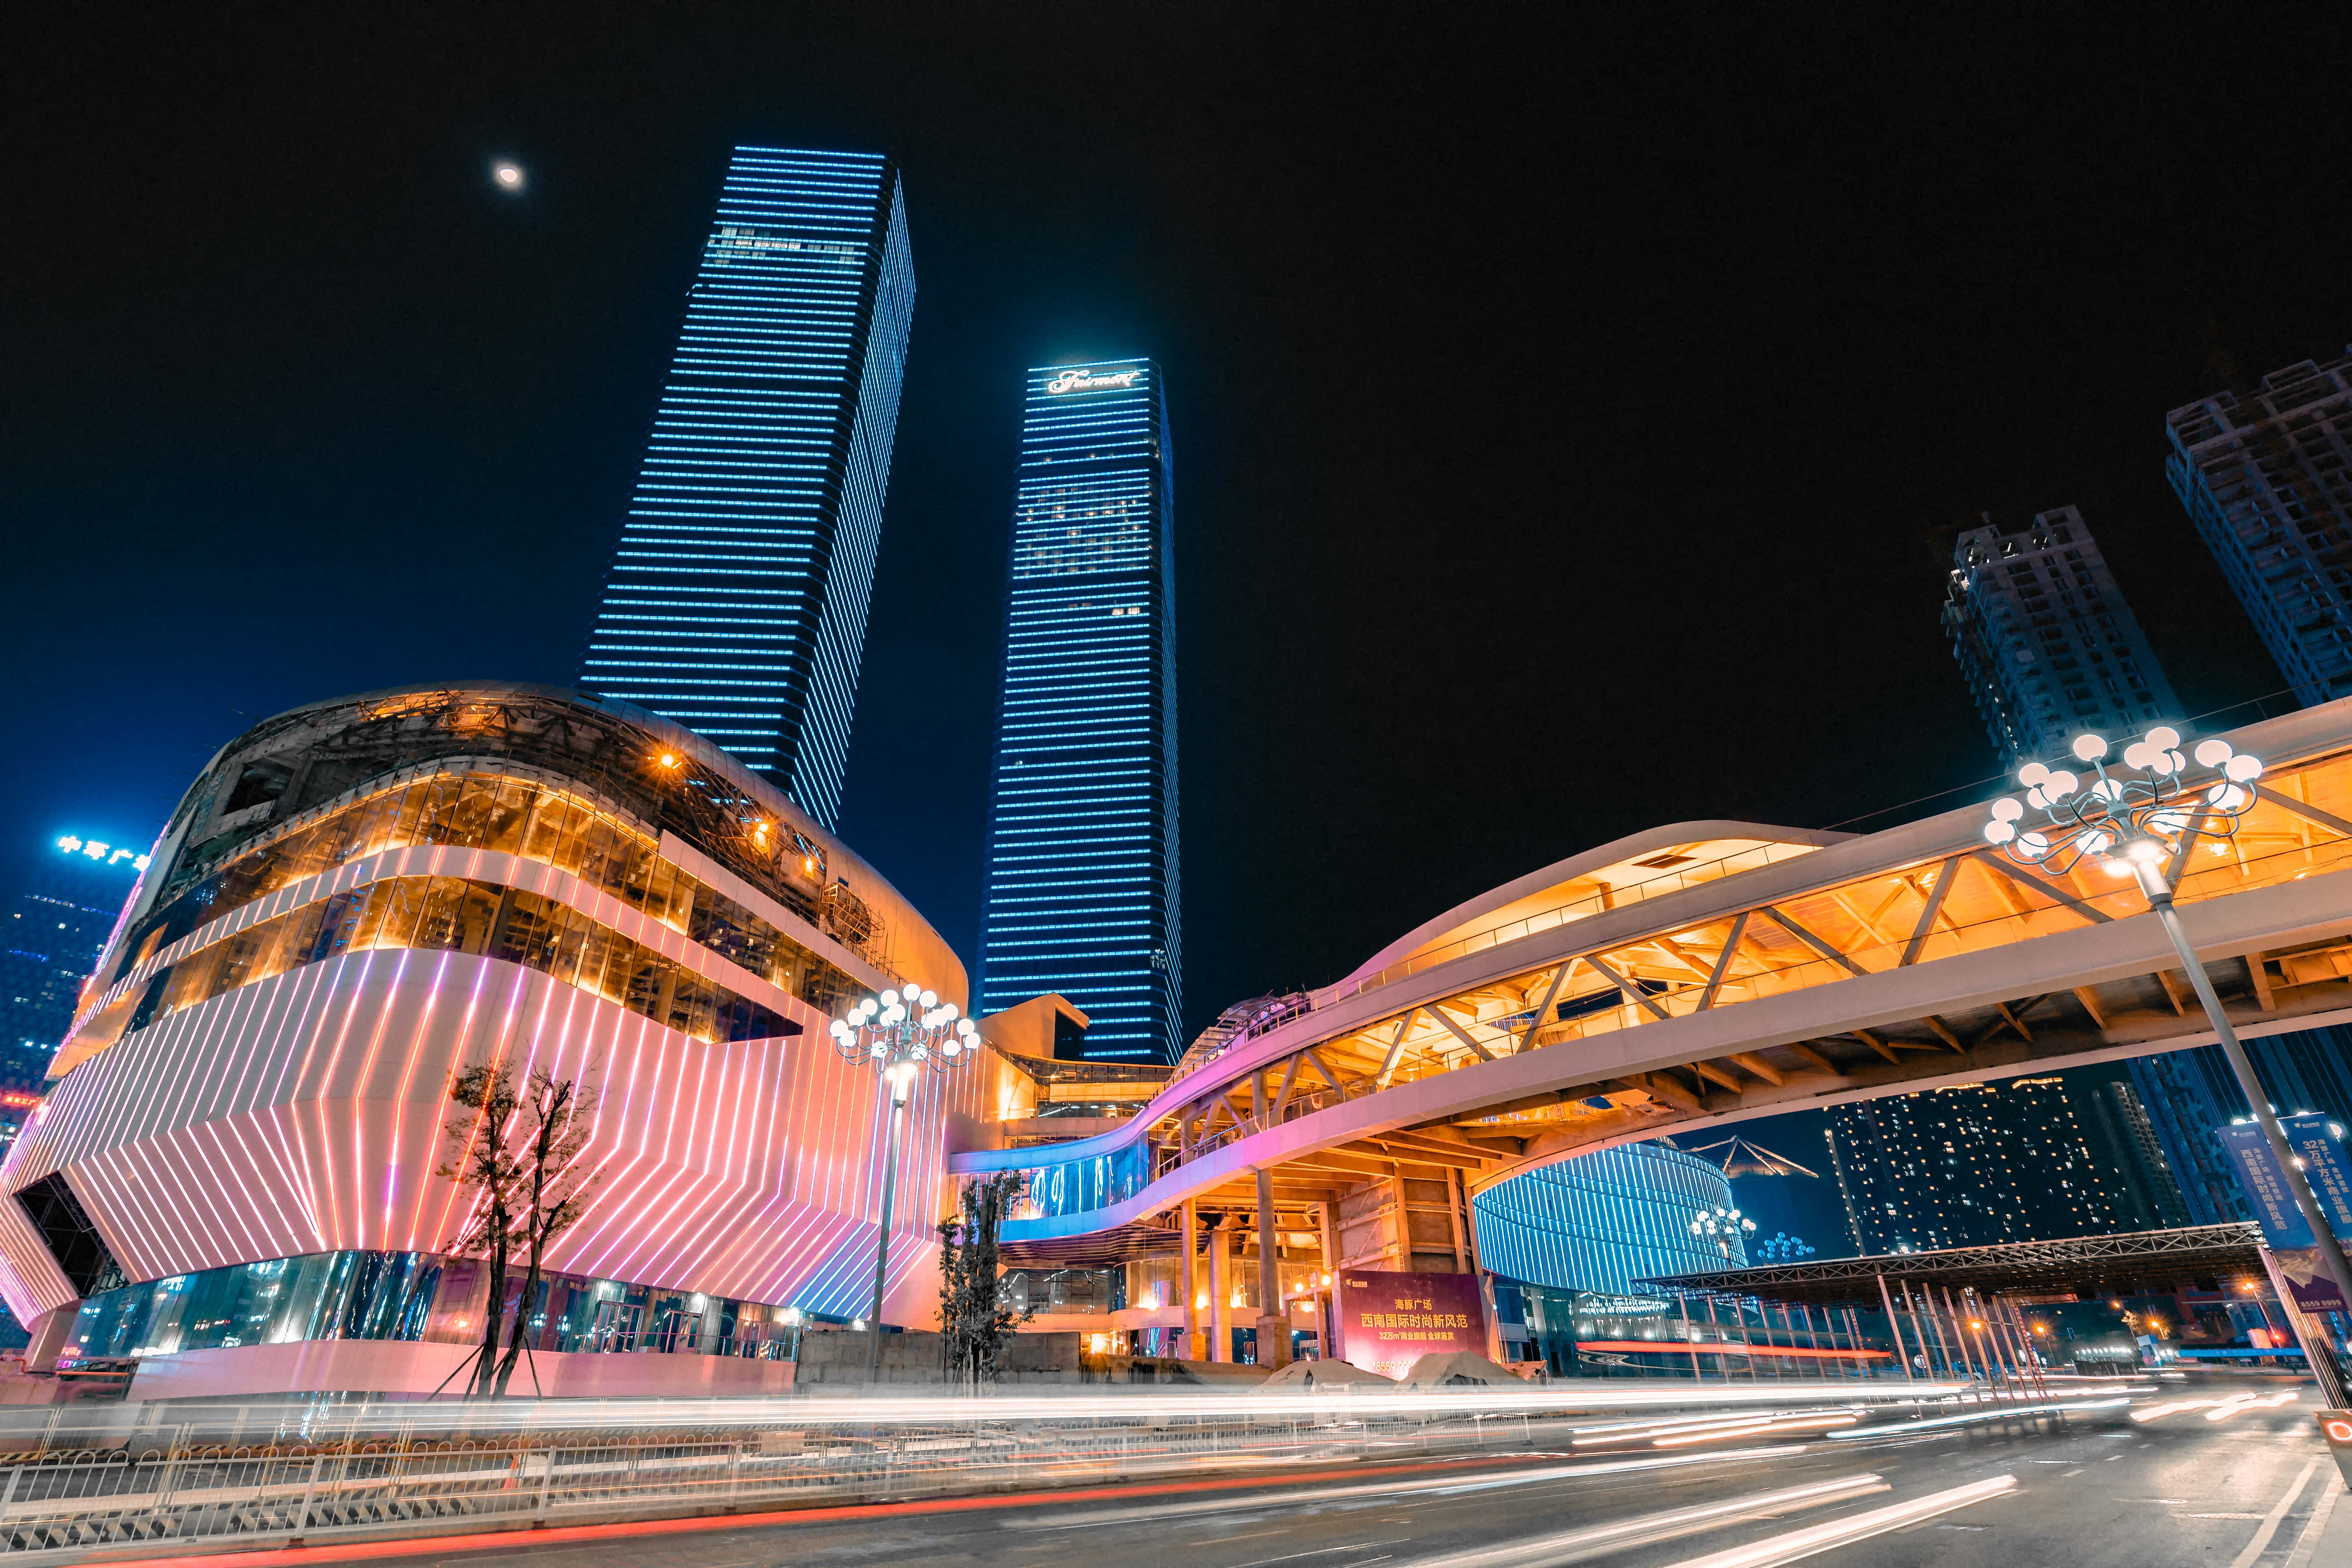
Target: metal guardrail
163,1488
119,1481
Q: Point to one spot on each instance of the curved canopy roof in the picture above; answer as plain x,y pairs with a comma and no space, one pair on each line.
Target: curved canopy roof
1640,866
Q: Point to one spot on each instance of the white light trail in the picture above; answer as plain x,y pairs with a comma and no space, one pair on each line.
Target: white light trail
1440,1486
1991,1413
1642,1530
1798,1545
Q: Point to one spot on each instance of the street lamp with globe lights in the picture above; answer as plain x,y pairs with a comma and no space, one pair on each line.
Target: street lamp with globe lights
2137,819
1719,1224
898,1033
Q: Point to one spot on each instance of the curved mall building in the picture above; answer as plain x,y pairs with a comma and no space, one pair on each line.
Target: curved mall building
236,1179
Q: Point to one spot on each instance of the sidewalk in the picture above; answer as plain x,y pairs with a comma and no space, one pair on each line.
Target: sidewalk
2332,1542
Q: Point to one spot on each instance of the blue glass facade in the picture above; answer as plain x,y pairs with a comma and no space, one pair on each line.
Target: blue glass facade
736,600
2187,1094
1602,1221
1082,858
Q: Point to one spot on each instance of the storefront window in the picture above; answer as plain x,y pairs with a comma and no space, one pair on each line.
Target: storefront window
415,1296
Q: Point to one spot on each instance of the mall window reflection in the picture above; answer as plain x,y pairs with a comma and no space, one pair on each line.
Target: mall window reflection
533,820
416,1295
453,915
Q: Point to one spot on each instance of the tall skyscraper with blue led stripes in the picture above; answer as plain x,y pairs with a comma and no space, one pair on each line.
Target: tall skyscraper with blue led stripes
736,600
1081,854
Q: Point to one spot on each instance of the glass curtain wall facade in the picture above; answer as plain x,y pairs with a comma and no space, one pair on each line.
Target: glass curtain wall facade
2045,640
2266,475
1082,893
1603,1221
736,600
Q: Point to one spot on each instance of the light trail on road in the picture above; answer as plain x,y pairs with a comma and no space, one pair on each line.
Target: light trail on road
1802,1544
1649,1529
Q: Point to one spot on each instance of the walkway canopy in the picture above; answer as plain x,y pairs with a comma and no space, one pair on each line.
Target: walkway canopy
2133,1263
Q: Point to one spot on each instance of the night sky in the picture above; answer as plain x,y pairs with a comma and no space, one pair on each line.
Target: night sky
1563,420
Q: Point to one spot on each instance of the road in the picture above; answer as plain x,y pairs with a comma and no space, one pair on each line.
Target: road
2255,1489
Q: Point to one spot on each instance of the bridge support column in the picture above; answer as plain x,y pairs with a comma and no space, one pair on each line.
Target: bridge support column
1273,1312
1188,1280
1327,1327
1220,1291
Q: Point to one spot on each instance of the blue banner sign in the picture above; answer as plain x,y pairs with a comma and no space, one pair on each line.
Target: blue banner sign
2283,1228
2265,1186
2319,1139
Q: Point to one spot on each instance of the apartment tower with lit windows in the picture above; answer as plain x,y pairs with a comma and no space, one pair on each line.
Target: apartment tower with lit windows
1082,855
736,600
2045,640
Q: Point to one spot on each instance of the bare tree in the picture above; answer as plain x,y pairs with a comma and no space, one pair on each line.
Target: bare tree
481,1162
974,1317
518,1151
556,1117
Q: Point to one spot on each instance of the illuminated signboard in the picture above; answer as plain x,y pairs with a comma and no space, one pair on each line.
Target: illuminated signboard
103,853
1089,381
16,1100
1388,1321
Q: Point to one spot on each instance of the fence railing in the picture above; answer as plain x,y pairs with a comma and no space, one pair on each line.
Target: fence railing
82,1480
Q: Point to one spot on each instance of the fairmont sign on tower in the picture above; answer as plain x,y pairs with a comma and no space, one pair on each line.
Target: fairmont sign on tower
1088,380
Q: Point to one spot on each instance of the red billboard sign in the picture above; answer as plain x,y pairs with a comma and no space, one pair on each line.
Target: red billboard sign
1388,1321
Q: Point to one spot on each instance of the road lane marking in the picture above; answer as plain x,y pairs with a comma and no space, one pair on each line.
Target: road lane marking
2269,1524
2072,1472
1643,1529
1802,1544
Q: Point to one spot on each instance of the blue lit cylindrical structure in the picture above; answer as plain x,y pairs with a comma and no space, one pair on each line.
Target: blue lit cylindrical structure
1602,1221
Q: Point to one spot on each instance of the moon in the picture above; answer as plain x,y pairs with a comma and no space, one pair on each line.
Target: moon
509,176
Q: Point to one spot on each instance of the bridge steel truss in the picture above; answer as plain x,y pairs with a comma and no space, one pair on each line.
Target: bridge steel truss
1901,960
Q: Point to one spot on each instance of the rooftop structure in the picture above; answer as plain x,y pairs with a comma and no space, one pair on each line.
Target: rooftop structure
2085,1265
736,600
2266,475
2045,640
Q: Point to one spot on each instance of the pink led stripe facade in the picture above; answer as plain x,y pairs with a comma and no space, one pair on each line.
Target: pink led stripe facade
303,1113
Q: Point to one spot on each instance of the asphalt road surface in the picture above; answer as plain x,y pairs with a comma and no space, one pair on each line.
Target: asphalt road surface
2255,1489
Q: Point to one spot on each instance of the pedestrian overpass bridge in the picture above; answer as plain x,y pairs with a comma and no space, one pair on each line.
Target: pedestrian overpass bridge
1695,974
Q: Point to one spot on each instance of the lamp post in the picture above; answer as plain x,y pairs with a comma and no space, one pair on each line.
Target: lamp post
1719,1224
2132,819
898,1033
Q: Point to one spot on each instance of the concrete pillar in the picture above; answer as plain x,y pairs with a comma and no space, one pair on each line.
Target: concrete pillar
1220,1291
1326,1342
1188,1281
1272,1316
50,1332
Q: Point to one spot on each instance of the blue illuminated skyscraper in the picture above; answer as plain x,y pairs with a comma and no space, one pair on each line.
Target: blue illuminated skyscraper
1082,855
736,600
